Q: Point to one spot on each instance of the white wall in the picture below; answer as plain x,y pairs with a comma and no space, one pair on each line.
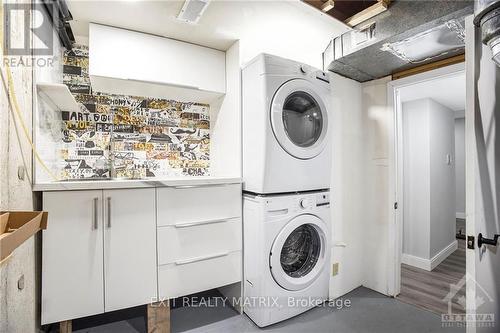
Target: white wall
347,184
429,181
377,119
460,167
18,307
416,166
288,29
225,122
360,184
442,177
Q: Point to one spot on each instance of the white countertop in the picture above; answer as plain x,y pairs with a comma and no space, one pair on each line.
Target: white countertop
134,183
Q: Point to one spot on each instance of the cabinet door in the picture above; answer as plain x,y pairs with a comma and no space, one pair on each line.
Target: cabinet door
148,58
129,248
72,263
191,204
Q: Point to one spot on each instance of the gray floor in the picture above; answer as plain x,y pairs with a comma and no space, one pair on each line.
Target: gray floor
428,289
369,312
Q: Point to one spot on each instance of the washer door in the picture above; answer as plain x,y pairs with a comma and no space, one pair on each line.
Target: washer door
299,119
297,256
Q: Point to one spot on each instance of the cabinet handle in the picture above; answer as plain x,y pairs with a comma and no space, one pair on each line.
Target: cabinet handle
191,260
192,224
109,211
94,214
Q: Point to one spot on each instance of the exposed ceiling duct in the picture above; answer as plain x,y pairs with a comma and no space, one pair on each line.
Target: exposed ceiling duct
408,34
60,16
488,18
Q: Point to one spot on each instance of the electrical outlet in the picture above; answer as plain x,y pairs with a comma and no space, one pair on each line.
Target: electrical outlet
20,283
21,172
335,269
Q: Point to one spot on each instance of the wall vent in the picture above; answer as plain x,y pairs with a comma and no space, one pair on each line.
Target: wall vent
192,10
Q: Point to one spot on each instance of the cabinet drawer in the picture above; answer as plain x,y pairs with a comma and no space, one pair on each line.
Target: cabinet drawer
198,274
193,204
190,240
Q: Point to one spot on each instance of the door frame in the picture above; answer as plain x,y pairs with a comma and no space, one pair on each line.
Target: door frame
396,167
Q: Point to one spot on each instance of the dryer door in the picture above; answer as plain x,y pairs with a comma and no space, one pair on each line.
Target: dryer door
298,254
299,119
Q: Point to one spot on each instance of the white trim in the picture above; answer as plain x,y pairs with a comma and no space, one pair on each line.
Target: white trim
414,261
395,168
472,116
460,215
443,254
395,233
430,264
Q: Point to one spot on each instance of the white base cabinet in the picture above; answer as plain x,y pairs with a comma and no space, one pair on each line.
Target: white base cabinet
72,256
106,250
99,252
197,274
199,238
129,248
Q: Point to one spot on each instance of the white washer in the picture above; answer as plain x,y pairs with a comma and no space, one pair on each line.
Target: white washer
286,139
286,254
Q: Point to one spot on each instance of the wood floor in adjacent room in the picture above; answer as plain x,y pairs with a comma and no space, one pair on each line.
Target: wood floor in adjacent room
427,290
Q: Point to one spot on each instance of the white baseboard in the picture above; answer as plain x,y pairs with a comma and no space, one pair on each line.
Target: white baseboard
460,215
429,264
414,261
443,254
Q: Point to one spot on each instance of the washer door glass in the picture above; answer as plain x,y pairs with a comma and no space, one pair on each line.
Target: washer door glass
299,255
302,118
301,251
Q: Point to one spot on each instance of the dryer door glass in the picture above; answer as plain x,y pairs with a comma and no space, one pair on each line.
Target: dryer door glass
300,251
302,118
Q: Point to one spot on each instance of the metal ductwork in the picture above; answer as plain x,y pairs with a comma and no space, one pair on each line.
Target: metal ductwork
487,16
408,34
60,16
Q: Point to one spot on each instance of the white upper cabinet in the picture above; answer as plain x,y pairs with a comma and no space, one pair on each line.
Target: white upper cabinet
136,58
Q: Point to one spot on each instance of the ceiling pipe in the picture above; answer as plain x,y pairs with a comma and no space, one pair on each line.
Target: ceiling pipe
487,17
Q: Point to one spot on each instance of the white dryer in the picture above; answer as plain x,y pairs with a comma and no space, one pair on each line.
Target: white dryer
286,254
286,121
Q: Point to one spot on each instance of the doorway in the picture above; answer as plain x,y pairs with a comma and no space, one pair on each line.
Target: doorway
429,226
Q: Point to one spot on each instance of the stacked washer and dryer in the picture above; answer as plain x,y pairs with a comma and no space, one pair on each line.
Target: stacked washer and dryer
286,174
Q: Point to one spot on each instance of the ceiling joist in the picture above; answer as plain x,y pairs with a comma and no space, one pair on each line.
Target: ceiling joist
351,12
368,13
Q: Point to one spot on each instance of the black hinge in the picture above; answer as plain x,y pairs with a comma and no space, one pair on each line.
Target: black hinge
395,205
470,242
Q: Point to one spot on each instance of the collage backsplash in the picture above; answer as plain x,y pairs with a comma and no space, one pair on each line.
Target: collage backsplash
128,136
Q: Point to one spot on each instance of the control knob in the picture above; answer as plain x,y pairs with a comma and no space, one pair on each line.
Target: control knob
304,203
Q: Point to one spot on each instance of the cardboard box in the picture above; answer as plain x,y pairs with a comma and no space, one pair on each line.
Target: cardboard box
17,227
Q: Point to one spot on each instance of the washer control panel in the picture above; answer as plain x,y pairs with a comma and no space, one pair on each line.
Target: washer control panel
289,204
323,199
313,201
306,203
